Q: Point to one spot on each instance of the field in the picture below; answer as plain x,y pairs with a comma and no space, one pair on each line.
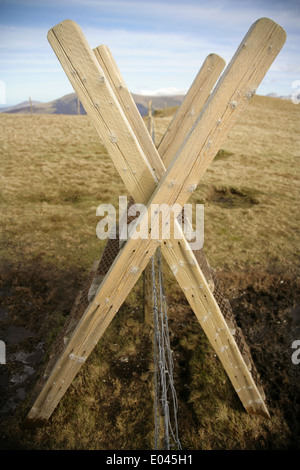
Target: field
55,172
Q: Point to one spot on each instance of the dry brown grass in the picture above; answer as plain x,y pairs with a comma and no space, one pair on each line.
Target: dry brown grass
54,174
261,158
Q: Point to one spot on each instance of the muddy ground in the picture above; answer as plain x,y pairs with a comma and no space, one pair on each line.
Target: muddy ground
36,299
267,308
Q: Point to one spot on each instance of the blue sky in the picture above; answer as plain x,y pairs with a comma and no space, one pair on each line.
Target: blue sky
157,44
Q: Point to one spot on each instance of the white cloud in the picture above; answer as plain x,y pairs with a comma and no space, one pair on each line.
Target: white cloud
171,91
22,38
220,13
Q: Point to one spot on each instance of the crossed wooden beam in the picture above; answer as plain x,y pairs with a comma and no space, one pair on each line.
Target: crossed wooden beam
167,175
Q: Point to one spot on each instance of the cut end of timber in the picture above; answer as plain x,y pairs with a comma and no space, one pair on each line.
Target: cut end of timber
215,57
257,408
61,25
265,22
33,423
261,414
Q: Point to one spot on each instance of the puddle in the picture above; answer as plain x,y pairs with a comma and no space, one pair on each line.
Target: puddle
30,296
15,380
20,377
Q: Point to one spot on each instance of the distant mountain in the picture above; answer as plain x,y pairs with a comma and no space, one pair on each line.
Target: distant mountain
283,97
68,104
65,105
19,107
158,102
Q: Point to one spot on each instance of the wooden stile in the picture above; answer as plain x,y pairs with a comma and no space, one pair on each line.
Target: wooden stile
148,182
183,256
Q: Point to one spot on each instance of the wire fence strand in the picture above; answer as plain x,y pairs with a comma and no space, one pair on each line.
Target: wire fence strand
165,399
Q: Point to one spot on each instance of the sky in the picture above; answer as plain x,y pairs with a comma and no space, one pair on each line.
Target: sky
159,45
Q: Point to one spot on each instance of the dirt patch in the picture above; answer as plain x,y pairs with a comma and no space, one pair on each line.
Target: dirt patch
223,154
231,198
266,307
129,367
35,300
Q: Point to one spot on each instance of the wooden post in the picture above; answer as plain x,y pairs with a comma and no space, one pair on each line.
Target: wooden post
147,274
30,104
150,121
148,294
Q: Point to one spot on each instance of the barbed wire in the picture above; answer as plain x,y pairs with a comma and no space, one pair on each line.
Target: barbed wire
165,398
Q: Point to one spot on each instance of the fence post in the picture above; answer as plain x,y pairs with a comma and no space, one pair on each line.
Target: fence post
30,104
147,274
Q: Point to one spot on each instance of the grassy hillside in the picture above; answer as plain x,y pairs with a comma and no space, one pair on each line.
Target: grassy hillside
55,172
